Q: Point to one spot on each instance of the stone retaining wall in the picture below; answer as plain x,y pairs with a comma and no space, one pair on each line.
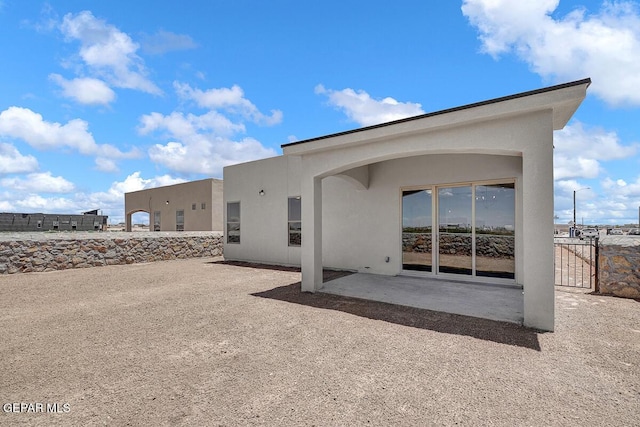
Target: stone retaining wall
490,246
620,266
30,252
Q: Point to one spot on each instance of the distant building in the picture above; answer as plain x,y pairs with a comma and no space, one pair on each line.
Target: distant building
189,206
88,221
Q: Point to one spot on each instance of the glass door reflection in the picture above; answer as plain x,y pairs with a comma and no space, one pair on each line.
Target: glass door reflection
416,230
495,230
455,230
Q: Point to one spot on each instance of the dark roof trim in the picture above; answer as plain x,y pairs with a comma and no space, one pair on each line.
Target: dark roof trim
586,81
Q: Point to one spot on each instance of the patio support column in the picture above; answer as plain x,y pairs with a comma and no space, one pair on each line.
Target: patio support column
537,217
127,226
311,256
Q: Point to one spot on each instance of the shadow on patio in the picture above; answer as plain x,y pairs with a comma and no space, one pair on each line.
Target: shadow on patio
484,329
448,323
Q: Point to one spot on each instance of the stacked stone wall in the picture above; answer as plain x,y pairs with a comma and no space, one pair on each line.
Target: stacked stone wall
491,246
37,252
619,271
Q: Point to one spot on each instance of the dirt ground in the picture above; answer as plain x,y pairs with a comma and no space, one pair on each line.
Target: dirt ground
201,342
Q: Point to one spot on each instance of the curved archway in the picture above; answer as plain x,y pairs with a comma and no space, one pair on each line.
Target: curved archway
129,218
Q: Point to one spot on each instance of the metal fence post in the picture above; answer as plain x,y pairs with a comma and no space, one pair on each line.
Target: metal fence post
597,263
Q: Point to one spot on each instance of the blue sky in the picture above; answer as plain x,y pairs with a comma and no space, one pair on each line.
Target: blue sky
102,98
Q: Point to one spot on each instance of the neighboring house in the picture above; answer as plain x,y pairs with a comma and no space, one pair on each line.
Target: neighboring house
189,206
88,221
464,193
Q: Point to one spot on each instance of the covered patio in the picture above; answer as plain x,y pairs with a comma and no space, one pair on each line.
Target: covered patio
516,132
499,302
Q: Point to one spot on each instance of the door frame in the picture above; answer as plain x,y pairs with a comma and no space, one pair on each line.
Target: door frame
435,249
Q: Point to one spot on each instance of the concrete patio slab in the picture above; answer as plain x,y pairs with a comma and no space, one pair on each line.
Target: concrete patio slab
485,300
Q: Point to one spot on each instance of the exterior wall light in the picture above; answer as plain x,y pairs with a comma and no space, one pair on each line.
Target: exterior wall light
261,192
167,202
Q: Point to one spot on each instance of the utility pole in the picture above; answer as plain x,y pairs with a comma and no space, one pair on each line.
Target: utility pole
574,207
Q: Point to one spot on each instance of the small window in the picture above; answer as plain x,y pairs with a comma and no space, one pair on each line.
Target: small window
180,220
233,222
193,207
156,221
203,206
295,221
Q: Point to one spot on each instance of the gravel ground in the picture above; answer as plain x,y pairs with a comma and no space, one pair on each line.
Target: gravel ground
202,342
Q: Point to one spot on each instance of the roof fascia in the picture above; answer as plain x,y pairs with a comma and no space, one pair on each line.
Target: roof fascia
563,99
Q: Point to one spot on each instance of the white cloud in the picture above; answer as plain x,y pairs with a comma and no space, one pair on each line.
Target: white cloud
612,202
364,110
106,165
135,182
41,182
24,124
166,41
180,126
11,161
205,143
623,190
37,203
207,156
603,45
110,202
579,151
85,90
228,99
108,52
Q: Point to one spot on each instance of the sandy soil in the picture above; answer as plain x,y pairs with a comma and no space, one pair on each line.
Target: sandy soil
196,342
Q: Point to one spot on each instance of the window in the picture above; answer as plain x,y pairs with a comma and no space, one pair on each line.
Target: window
295,221
193,207
495,212
417,229
203,206
156,221
233,222
180,220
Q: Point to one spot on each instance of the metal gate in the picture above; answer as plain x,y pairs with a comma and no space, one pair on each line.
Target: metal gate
576,262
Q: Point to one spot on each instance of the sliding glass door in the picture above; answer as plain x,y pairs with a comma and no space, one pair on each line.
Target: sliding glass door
495,230
475,230
455,238
417,224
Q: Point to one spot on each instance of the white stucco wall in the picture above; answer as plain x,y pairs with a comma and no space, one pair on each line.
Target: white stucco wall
263,219
363,227
360,227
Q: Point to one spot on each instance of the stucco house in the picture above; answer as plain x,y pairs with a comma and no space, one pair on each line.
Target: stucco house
463,193
188,206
